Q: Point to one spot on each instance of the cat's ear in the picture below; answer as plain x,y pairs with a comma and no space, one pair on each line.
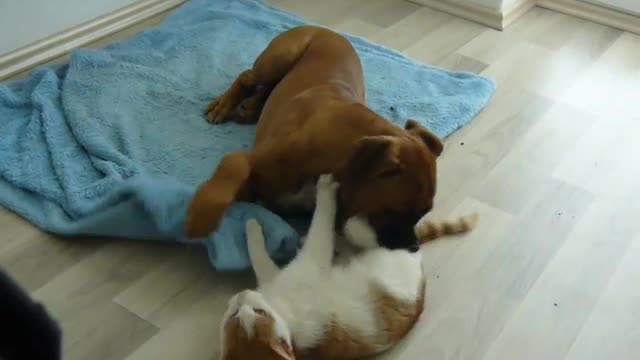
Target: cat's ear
283,348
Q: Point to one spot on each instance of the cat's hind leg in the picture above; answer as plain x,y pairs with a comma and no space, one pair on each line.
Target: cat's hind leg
264,268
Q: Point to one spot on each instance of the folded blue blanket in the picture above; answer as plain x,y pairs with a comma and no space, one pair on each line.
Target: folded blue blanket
114,143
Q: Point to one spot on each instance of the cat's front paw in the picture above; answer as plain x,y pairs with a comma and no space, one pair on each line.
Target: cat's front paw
326,193
326,183
255,235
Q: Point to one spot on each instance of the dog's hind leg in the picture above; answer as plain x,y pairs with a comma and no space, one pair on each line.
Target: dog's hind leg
270,67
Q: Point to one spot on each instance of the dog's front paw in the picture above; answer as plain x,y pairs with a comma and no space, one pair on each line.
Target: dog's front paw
198,225
205,212
202,220
218,110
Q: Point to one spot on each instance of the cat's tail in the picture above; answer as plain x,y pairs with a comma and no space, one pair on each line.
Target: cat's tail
428,230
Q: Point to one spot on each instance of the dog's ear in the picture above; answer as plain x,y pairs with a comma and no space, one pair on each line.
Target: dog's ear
431,140
375,156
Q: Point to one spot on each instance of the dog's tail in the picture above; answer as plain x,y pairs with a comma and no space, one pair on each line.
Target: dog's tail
428,230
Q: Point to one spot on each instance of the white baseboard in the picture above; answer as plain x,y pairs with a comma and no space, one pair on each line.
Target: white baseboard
515,11
492,18
595,13
496,19
472,12
61,43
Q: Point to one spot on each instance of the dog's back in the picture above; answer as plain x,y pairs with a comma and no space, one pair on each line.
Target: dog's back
325,66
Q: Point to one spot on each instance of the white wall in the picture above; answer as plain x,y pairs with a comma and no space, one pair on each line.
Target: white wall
25,21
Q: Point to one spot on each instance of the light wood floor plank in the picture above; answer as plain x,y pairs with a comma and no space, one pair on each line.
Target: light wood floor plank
554,311
609,88
81,296
358,27
530,161
412,28
385,13
470,155
603,161
447,38
163,283
612,330
37,258
120,332
457,62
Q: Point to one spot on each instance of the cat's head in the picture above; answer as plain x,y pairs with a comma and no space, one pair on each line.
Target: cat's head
251,329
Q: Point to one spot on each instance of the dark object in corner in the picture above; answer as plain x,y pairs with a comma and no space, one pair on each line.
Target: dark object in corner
27,332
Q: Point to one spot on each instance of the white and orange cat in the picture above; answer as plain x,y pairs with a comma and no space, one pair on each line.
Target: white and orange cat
316,310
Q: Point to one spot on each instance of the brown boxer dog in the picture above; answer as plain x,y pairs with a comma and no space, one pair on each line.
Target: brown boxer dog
306,93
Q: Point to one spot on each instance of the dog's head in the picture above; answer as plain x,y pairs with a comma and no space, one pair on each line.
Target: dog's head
389,183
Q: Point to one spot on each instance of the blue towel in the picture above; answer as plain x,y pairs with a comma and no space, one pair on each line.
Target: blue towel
115,142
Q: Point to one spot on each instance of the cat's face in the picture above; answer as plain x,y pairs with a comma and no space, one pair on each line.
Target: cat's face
251,330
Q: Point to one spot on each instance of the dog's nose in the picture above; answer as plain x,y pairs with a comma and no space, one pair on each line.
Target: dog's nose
414,248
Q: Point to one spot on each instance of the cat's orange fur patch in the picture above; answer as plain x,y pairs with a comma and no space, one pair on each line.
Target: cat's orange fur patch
239,346
398,317
340,342
395,320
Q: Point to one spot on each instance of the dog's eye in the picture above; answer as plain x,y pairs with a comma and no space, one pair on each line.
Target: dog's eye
260,312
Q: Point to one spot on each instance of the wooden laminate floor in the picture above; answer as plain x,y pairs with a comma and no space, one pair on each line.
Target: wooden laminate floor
551,272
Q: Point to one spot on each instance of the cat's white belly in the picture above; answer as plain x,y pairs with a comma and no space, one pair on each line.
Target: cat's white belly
344,295
304,199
